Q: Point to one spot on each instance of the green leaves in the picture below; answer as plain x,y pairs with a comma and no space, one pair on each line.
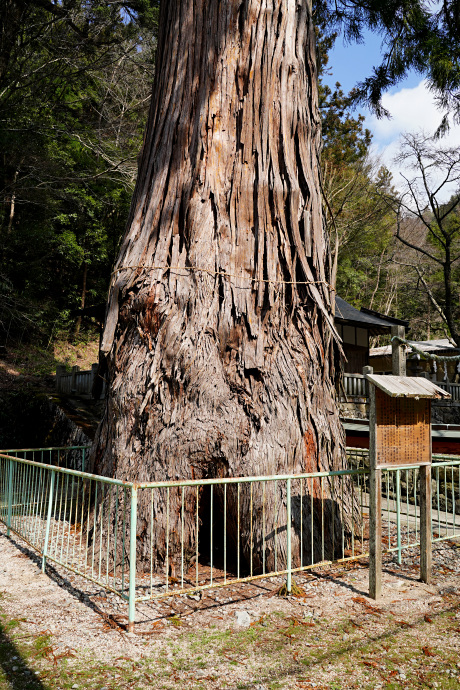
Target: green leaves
358,217
75,82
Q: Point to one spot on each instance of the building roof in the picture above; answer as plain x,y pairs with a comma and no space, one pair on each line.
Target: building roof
374,322
407,386
436,346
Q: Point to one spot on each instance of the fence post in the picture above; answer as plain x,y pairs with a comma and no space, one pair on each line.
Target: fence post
48,520
83,451
60,372
132,560
398,515
398,353
375,501
288,536
73,384
425,523
10,496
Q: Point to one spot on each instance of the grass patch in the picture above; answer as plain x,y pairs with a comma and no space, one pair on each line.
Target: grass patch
30,359
279,651
15,671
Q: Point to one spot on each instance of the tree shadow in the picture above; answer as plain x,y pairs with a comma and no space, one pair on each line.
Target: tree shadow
320,532
15,668
334,656
62,580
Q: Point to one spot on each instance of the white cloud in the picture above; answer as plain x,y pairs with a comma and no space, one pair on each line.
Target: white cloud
412,110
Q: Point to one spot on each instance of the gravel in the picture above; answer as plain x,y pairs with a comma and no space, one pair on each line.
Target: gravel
77,612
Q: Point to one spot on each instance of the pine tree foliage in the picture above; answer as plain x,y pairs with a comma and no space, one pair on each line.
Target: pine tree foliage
356,211
416,35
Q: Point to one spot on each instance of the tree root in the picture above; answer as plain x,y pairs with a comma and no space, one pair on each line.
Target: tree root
296,591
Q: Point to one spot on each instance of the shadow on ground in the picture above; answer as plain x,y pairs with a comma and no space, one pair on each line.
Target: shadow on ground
14,667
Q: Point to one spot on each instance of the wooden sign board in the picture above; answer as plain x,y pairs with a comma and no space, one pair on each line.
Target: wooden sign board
399,436
403,431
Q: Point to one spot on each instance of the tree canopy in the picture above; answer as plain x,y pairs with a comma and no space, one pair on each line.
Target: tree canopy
75,80
416,35
429,228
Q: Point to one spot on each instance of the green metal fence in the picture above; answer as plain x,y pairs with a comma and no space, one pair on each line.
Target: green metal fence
147,541
70,457
401,509
59,512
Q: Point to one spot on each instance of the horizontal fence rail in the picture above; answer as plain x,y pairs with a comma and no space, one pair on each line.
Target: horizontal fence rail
148,541
70,457
65,516
355,387
400,492
250,528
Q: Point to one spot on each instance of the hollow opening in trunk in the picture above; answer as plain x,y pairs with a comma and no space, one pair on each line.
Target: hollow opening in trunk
218,536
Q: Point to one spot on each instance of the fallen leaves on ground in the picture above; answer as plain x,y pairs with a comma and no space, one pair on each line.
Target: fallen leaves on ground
427,651
369,608
373,664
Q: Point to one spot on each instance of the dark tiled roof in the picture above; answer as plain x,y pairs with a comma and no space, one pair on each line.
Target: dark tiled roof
376,323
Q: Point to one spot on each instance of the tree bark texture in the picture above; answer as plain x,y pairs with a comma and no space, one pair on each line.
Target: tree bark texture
220,345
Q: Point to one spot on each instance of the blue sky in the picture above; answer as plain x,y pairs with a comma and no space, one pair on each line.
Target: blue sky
353,62
410,103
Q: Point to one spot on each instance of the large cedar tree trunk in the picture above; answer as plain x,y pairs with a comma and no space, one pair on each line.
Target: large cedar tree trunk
219,340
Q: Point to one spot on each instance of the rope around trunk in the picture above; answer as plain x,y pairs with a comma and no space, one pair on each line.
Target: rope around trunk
425,355
224,274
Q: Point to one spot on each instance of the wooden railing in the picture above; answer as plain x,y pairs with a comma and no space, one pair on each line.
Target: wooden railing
355,386
452,388
76,382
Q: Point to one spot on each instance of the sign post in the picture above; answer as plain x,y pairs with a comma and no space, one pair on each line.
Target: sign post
375,504
425,524
399,437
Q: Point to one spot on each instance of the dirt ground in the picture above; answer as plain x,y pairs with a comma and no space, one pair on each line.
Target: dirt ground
60,631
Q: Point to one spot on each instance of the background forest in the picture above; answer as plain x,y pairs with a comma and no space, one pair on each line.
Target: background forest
75,81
